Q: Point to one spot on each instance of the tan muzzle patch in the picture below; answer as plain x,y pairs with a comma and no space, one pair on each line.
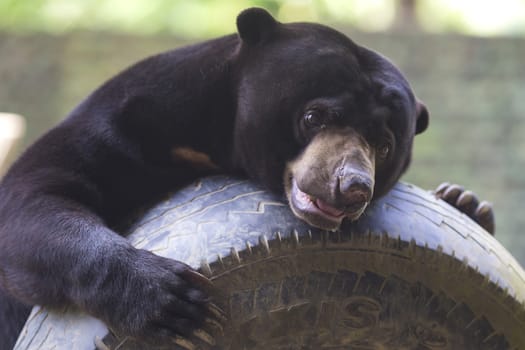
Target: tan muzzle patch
332,179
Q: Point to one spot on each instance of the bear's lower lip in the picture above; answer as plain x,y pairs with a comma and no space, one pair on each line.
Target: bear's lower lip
326,208
317,212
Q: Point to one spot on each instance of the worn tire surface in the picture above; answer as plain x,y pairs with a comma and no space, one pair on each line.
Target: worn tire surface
412,273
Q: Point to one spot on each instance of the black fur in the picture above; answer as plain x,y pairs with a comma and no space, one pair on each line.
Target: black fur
236,99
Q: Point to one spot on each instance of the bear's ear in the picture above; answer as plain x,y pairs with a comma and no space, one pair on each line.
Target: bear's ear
422,116
255,24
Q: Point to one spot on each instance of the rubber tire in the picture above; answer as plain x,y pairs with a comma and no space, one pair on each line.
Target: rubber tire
411,273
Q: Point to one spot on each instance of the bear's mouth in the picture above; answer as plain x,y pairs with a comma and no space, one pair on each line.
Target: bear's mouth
318,212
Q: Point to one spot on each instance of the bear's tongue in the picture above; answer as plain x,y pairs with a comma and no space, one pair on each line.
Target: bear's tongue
327,209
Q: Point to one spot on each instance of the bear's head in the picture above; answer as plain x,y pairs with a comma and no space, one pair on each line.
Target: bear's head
330,120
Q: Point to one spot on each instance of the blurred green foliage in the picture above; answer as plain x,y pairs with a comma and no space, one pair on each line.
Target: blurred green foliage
190,18
203,18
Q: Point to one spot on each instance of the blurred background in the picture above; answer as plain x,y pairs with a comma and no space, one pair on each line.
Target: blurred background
464,58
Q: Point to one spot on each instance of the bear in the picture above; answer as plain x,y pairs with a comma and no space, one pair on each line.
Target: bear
297,107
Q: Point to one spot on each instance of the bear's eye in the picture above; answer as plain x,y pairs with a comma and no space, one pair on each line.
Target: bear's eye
313,118
383,150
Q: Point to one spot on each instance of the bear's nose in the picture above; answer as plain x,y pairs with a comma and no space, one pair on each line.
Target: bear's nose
355,190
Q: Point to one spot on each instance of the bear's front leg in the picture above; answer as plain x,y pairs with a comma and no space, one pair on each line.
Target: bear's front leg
467,202
57,253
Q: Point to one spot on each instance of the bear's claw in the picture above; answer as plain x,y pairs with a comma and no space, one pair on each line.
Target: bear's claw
468,203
